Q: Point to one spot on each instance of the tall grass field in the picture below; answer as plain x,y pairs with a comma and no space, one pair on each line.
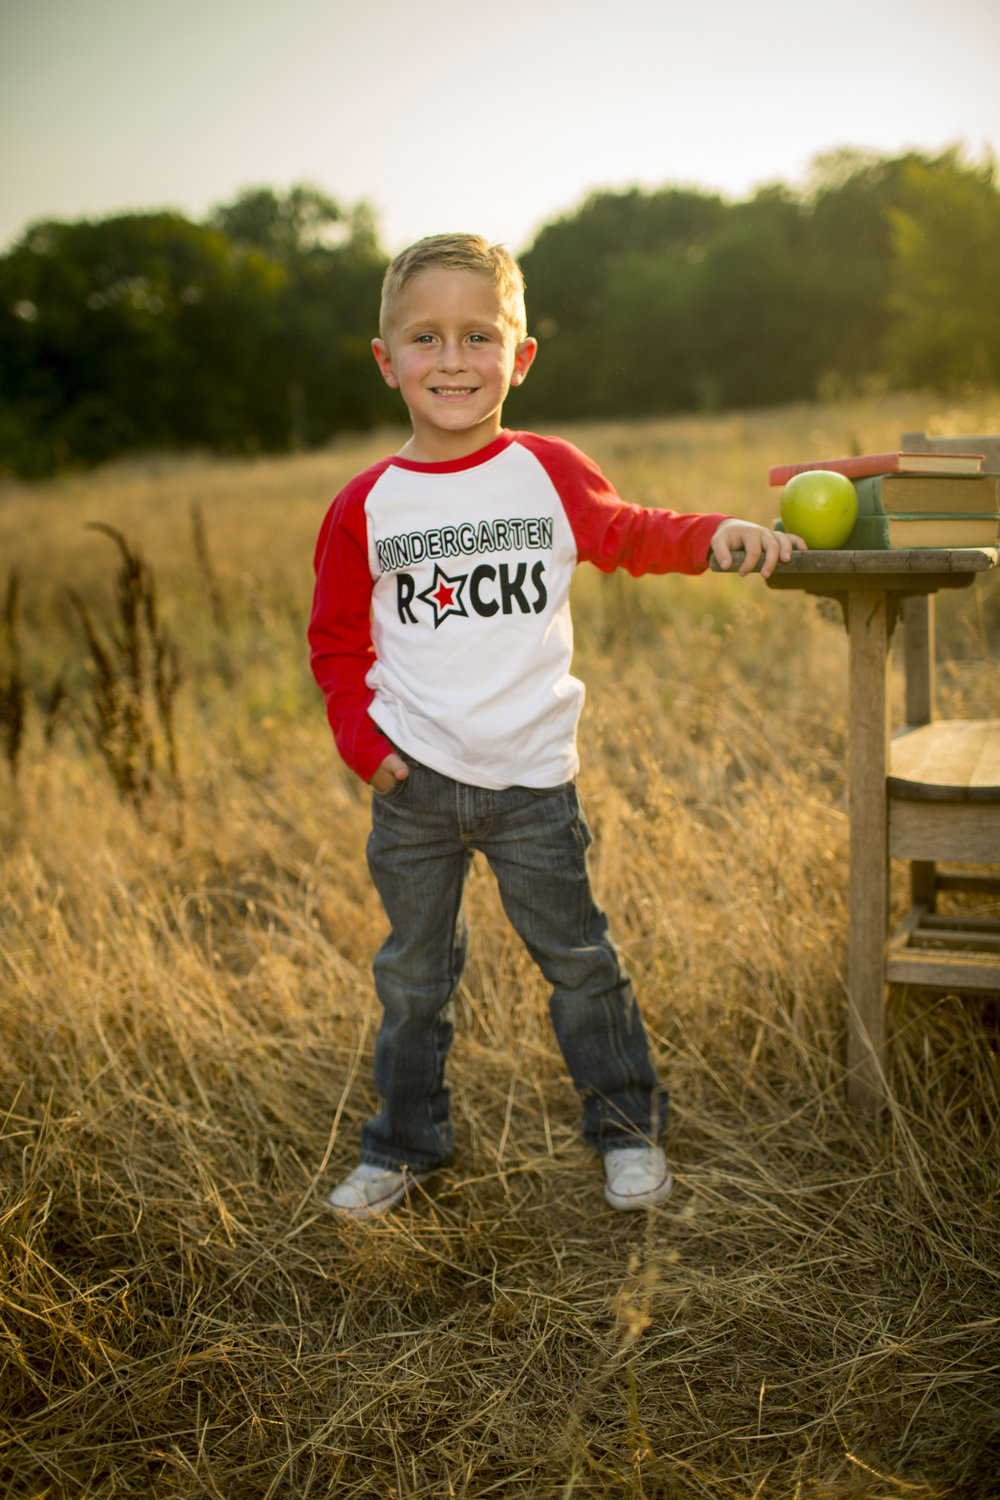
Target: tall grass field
186,930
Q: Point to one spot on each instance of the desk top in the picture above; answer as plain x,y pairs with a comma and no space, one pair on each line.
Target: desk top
913,569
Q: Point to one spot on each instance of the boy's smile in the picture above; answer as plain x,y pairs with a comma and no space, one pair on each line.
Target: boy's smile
453,356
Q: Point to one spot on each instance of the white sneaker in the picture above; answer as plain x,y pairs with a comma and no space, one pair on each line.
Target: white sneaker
637,1176
370,1191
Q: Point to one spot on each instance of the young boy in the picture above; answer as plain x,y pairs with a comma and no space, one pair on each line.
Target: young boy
441,638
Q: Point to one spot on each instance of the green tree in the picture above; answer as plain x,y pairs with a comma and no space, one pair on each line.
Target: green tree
282,228
649,352
849,205
141,330
253,331
945,298
328,307
754,304
146,330
652,302
606,290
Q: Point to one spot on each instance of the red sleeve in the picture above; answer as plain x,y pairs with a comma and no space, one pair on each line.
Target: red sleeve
611,534
340,641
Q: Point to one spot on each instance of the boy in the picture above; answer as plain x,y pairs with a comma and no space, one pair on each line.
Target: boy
441,638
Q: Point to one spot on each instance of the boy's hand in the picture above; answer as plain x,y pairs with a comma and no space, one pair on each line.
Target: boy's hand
756,541
391,770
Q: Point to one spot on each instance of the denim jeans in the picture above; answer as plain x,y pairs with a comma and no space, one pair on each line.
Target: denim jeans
425,831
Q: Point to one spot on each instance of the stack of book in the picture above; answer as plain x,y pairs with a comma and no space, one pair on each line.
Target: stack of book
915,499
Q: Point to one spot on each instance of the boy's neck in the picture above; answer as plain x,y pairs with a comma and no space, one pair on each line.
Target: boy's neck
436,447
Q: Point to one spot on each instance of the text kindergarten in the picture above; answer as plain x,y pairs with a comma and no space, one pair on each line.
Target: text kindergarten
448,595
508,535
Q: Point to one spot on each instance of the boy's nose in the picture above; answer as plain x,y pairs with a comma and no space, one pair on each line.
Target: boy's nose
452,356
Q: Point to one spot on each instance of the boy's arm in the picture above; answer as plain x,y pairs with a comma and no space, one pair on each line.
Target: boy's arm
341,653
613,534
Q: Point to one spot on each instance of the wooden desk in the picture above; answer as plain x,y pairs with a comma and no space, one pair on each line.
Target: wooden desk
871,587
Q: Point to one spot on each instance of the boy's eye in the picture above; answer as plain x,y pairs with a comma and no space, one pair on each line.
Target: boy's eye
478,338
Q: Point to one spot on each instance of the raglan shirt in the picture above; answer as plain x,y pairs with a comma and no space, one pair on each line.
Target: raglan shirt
441,621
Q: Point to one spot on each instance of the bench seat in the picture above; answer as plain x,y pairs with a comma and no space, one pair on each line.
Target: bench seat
944,804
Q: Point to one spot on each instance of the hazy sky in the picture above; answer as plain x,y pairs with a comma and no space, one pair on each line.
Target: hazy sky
492,117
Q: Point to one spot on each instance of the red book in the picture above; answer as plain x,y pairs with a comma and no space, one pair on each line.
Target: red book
860,466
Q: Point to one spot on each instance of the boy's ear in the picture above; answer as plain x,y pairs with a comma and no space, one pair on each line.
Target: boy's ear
524,356
383,358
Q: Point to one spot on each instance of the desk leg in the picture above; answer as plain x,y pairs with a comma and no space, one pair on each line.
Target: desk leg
918,658
869,647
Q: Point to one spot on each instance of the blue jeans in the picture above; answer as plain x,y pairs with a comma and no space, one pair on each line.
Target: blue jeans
425,830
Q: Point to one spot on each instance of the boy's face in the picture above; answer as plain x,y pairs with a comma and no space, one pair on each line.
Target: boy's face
453,357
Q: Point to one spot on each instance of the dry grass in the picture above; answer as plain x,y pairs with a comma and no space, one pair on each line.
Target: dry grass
188,1021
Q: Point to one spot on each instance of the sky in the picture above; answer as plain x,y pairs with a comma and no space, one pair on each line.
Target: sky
494,118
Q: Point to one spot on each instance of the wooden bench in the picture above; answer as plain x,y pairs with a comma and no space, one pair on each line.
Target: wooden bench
944,804
872,588
943,793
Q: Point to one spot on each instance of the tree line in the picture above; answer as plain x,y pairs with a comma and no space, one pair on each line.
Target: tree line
250,332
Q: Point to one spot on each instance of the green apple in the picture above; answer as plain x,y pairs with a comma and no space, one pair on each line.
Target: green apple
821,507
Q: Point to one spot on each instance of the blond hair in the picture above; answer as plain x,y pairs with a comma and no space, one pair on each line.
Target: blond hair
457,252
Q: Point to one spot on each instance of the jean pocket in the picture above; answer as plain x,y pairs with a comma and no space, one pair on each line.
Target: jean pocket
391,793
551,791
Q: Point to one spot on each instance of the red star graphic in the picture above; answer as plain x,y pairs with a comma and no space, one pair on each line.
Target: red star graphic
444,594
